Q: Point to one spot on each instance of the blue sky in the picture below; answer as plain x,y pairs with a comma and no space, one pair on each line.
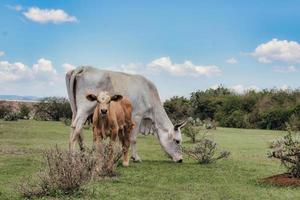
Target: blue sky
181,46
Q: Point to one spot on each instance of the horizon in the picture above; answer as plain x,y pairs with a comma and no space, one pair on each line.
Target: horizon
191,46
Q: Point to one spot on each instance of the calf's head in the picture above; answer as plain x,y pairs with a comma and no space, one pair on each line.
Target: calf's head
103,101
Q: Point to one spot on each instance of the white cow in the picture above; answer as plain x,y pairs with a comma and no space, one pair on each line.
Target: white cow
147,107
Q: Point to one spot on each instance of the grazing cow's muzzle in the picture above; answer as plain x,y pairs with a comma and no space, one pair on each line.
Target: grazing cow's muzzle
178,158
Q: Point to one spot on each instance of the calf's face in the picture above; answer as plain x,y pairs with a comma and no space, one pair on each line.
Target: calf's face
103,101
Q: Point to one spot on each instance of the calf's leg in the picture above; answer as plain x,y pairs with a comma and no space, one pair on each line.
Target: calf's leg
125,146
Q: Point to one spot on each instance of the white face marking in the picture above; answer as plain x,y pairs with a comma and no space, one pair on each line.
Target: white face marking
103,102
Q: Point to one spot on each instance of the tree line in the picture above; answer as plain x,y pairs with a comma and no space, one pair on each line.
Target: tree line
49,108
266,109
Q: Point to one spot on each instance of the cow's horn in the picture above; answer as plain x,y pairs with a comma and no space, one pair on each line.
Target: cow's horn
179,125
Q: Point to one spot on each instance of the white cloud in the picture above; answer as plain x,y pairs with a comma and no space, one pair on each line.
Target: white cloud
15,7
231,61
14,71
187,68
67,67
43,70
2,53
278,50
288,69
240,89
55,16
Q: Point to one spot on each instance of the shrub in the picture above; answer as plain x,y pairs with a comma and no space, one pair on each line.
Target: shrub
65,173
105,171
274,119
11,117
66,121
192,129
205,152
5,110
53,108
287,150
293,123
210,124
24,112
177,108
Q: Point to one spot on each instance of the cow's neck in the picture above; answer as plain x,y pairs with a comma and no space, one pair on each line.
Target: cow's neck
162,120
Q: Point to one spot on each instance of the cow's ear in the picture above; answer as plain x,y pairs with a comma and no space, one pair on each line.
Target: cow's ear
91,97
180,125
116,97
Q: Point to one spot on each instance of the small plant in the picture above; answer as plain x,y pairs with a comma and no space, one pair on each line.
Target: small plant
205,152
287,150
192,129
66,121
210,124
65,173
11,117
103,169
24,112
293,123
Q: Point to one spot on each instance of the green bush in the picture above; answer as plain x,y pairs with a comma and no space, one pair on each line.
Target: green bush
205,152
287,150
64,173
177,108
266,109
53,108
5,110
24,112
274,119
11,117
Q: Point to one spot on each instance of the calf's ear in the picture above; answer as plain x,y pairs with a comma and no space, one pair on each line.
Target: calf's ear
180,125
91,97
116,97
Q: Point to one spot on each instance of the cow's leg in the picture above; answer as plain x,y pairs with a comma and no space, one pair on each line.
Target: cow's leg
76,131
134,156
80,141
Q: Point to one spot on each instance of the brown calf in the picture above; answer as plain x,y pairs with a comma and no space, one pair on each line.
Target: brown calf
112,118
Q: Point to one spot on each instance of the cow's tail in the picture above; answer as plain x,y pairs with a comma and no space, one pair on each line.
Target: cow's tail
70,83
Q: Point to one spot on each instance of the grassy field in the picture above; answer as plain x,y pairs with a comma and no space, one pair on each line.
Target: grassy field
156,177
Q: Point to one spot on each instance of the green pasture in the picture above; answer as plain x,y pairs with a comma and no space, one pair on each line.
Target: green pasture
157,177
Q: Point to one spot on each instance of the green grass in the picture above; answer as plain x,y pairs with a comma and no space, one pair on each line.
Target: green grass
237,177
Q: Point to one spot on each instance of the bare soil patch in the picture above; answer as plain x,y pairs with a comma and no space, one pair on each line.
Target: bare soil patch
285,179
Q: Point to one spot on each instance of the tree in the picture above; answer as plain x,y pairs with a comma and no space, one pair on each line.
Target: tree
24,112
53,108
178,108
5,110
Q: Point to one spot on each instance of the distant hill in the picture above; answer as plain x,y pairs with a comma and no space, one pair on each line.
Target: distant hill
19,98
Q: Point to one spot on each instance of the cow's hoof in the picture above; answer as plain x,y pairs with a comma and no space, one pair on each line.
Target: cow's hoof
136,159
125,164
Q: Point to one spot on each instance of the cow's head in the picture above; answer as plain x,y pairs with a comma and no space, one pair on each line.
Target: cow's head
172,141
103,101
